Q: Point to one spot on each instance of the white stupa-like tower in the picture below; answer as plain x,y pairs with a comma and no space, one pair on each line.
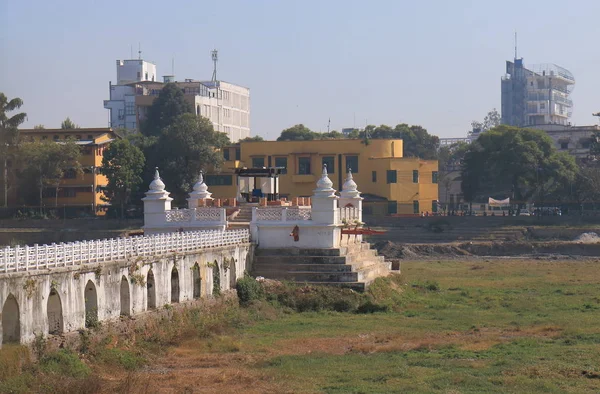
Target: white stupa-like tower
350,196
156,203
199,193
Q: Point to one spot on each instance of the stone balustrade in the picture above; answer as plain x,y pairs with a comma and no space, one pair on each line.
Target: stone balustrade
36,257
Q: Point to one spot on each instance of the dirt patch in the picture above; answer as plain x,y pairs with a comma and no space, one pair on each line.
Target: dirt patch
555,249
588,238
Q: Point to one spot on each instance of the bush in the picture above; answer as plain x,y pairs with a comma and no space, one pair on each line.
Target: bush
371,307
64,362
248,290
123,358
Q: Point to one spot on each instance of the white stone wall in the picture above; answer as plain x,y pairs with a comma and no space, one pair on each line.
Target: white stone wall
32,289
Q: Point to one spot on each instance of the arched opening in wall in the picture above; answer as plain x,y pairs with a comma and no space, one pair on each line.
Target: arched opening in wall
174,285
11,322
125,297
196,283
91,305
55,314
216,271
232,272
151,288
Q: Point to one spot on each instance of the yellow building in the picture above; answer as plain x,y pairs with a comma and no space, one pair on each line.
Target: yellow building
389,182
79,194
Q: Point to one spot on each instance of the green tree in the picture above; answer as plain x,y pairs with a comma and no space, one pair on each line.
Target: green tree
332,135
123,165
256,138
491,120
44,163
39,127
417,142
163,112
182,150
9,136
68,124
520,163
298,132
449,162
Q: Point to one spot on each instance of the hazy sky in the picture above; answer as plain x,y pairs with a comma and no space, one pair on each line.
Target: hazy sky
433,63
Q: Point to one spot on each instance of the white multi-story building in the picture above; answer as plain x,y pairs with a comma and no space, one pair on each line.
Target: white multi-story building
225,104
536,96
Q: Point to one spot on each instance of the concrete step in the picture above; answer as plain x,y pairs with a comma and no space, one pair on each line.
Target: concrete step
265,268
290,260
298,252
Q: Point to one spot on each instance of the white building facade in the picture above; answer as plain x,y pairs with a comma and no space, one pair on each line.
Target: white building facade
225,104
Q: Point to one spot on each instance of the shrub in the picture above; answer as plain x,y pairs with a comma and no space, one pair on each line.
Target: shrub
371,307
64,362
123,358
248,290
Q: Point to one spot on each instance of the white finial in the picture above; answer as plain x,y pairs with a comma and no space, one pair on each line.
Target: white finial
349,188
157,184
200,191
324,185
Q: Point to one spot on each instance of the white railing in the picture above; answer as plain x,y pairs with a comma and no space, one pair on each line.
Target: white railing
299,213
204,214
25,258
282,214
349,215
269,214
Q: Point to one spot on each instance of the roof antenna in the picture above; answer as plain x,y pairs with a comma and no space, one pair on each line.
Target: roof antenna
131,54
515,45
139,51
215,58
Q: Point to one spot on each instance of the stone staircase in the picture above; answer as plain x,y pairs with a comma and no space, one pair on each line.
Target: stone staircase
244,214
354,266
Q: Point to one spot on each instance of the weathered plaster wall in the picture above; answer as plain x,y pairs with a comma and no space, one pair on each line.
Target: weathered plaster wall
75,284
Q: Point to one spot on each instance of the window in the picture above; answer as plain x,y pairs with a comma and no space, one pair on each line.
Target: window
391,176
258,162
329,161
70,174
374,176
564,145
78,137
585,143
304,165
49,193
238,153
281,162
416,206
219,180
56,138
129,109
45,137
392,207
90,137
434,177
434,206
70,192
415,176
226,154
352,163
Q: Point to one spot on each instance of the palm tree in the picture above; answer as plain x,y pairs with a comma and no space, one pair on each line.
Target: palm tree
9,134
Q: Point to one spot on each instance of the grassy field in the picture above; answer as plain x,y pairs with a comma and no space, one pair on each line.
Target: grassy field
497,326
488,326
